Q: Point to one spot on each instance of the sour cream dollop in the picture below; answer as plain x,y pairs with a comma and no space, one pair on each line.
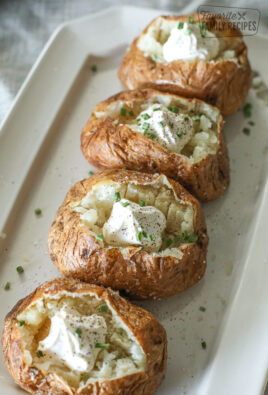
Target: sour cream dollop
131,224
165,126
188,44
72,339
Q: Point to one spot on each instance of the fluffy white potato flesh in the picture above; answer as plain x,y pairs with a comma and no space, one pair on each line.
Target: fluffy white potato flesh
80,338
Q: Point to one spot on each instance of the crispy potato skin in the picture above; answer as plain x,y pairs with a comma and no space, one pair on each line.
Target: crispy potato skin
223,84
107,145
149,332
77,253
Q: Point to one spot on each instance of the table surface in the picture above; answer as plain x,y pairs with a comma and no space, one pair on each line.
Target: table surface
25,27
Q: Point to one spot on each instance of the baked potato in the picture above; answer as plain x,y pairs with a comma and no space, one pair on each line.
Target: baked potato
153,131
69,337
140,233
193,57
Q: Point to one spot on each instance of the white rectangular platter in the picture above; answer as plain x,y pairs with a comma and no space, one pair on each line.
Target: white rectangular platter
40,159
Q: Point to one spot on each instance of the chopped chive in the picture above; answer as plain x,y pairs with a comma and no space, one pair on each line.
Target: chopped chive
180,25
90,173
190,19
174,109
186,117
78,332
247,110
196,118
161,124
117,197
102,345
150,237
7,286
204,345
125,204
123,111
157,109
138,236
202,308
180,133
131,113
38,211
124,168
145,234
187,31
94,68
138,121
145,127
246,131
152,135
39,354
169,242
145,116
99,237
251,123
185,235
121,332
22,323
103,308
192,238
120,355
19,269
142,203
154,56
177,238
84,376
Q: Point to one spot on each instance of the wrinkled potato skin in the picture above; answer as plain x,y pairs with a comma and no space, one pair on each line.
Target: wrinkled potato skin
108,145
224,84
148,331
77,253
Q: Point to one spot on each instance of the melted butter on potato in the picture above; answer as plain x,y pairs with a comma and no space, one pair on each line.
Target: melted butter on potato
169,129
131,224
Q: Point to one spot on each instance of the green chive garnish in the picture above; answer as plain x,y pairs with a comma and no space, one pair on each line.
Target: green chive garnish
180,133
251,123
120,355
125,204
145,116
7,286
185,235
196,118
142,203
20,269
190,19
177,238
90,173
84,376
169,242
157,109
174,109
94,68
22,323
39,354
102,345
161,124
131,113
186,117
145,127
117,197
103,308
180,25
99,237
78,332
202,308
247,110
246,131
121,332
138,236
38,211
150,237
123,111
152,135
192,238
204,345
154,56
